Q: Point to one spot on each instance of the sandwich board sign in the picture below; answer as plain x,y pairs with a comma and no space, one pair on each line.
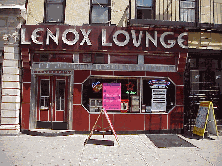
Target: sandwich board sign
205,119
111,101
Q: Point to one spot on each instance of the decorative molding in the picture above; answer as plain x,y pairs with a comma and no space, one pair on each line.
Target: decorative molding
11,38
43,66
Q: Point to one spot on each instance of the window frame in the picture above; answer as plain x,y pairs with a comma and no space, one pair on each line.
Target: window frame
189,8
153,9
102,4
46,14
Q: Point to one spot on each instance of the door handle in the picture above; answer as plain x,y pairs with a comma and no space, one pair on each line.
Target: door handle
51,105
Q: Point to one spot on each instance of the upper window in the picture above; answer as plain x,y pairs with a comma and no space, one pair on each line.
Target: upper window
100,12
54,11
145,9
187,10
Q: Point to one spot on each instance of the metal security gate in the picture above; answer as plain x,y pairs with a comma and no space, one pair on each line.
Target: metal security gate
202,82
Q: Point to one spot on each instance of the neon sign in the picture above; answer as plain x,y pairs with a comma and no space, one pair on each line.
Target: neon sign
130,92
130,86
97,86
158,83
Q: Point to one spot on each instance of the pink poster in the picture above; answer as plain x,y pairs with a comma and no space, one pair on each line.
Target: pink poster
112,96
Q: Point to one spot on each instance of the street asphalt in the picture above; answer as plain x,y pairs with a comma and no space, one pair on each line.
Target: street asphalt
133,150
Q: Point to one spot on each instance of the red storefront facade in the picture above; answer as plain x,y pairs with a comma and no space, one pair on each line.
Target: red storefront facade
65,66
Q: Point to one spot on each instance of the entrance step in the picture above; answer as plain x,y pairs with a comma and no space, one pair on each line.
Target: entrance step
48,132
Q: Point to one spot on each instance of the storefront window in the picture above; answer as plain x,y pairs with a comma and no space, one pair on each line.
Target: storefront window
92,93
158,95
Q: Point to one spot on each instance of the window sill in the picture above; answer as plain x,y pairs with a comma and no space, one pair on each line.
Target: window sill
152,22
51,23
99,24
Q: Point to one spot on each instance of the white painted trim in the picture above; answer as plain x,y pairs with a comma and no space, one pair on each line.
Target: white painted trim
144,122
12,7
167,122
77,104
89,122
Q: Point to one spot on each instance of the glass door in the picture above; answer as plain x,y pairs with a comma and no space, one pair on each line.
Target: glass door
52,102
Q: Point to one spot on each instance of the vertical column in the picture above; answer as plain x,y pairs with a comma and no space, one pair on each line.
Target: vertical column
28,93
11,78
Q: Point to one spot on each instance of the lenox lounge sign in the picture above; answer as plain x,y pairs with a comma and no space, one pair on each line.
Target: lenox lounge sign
100,38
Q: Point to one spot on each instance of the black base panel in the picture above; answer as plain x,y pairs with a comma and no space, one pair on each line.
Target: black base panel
52,125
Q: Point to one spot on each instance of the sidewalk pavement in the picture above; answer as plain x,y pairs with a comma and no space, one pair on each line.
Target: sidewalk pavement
133,150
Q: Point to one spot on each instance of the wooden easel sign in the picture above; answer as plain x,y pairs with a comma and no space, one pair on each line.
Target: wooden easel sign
111,101
205,119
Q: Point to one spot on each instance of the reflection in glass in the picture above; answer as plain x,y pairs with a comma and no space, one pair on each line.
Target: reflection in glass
99,14
99,1
44,87
44,98
60,95
144,2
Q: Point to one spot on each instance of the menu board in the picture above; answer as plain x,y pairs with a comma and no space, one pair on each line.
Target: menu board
112,96
201,119
158,100
205,117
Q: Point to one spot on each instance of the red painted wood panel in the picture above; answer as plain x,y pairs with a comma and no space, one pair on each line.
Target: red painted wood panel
26,65
59,115
155,122
179,95
182,62
24,50
25,57
124,59
156,74
93,72
80,118
44,115
93,118
175,118
168,60
25,110
176,77
128,122
129,73
80,75
26,93
77,93
26,75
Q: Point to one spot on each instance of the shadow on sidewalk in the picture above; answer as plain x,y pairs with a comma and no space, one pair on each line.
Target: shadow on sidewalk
100,142
190,135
